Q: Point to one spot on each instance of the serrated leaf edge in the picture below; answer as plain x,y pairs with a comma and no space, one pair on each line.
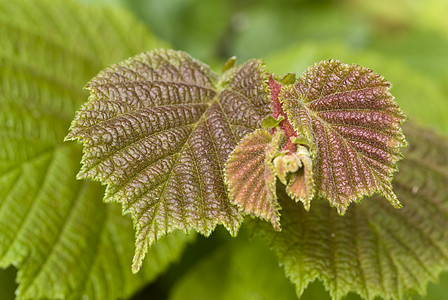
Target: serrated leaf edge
271,185
386,189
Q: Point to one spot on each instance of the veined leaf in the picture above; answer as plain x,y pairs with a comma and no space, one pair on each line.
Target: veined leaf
251,177
158,128
373,250
349,117
64,241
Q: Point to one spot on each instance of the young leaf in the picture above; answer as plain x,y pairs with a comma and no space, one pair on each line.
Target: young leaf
374,250
349,117
271,122
251,178
158,131
301,183
64,241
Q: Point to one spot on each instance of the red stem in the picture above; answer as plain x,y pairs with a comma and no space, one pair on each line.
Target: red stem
277,111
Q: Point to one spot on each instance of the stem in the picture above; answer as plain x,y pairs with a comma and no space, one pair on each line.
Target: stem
277,110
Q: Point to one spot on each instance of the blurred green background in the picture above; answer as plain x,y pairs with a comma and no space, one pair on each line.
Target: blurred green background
404,40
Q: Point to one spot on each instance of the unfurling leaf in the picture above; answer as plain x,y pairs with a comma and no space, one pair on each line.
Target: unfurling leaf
353,126
295,171
301,183
374,250
251,177
158,128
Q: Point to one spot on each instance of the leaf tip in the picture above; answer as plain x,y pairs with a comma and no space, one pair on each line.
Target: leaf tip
229,64
341,208
391,197
289,78
276,224
271,122
69,137
136,265
139,255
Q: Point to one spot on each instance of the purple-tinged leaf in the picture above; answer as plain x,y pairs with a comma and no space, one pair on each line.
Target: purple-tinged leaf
353,126
158,128
251,177
374,250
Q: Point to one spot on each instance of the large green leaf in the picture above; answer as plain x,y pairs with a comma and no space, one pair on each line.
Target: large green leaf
374,250
53,228
158,128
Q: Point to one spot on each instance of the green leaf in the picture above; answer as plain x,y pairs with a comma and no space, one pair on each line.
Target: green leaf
251,177
240,269
229,64
64,241
353,125
157,129
271,122
374,250
289,78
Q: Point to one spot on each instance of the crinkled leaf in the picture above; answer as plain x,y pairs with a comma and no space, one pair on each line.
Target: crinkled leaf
242,268
158,131
300,186
251,178
353,125
374,250
64,241
413,79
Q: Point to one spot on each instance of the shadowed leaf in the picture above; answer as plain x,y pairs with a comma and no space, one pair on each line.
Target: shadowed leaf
349,117
157,131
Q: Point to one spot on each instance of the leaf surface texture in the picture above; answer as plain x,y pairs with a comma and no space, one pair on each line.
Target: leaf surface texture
349,117
64,241
375,249
158,128
251,177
